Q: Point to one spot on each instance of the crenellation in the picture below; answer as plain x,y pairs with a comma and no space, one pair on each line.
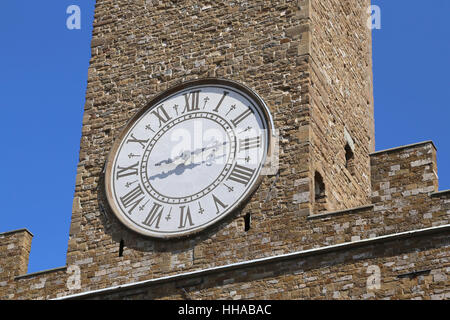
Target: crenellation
15,247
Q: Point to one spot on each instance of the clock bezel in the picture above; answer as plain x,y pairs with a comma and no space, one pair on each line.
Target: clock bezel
153,103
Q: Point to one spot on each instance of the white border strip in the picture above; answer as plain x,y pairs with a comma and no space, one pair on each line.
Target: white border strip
340,212
413,145
7,233
439,193
261,261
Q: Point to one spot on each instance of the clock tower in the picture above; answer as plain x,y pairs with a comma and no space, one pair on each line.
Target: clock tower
227,151
299,68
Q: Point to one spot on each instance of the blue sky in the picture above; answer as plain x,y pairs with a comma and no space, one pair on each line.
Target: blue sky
44,68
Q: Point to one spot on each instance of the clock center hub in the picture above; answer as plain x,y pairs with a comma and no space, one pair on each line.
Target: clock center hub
200,144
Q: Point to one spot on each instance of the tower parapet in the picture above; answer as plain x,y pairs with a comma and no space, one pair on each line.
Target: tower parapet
15,247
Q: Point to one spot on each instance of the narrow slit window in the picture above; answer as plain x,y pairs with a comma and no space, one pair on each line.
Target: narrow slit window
319,186
121,246
247,222
349,159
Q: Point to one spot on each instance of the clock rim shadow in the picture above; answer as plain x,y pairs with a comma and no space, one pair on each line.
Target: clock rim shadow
119,233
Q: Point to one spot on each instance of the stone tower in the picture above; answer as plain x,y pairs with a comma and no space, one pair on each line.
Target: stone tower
331,210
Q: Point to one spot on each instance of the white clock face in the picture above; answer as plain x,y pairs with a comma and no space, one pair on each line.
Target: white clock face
188,159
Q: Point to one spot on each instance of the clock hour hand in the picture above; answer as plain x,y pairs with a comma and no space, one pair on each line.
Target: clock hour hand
181,167
183,155
170,164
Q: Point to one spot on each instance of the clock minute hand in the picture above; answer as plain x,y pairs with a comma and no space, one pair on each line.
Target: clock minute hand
183,168
201,150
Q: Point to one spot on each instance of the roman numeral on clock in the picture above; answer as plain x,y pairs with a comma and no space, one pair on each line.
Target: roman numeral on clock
134,140
249,143
162,115
241,117
241,174
154,216
132,198
127,171
194,105
225,93
184,217
218,203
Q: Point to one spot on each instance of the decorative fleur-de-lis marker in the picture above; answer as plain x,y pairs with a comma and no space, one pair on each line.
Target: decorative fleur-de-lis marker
131,155
230,189
206,101
247,159
129,184
245,130
168,216
141,208
233,107
148,127
175,107
200,210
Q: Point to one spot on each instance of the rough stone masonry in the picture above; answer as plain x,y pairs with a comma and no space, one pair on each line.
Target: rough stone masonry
337,221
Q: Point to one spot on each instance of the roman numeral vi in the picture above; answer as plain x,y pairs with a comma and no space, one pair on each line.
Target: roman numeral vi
184,218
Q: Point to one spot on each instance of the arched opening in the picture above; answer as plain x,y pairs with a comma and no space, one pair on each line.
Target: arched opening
349,159
320,195
319,186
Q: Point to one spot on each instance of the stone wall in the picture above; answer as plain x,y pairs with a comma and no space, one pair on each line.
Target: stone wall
385,234
341,100
310,62
402,267
142,48
15,249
